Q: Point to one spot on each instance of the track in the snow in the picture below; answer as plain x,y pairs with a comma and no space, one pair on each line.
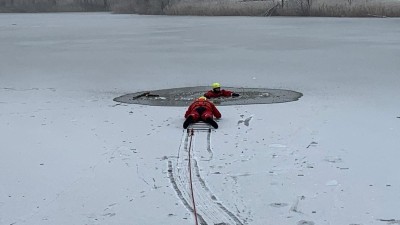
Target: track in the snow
184,174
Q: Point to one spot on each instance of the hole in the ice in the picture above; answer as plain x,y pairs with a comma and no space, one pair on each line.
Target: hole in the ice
184,96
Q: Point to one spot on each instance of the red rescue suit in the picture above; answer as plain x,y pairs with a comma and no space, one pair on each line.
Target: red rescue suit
221,93
201,110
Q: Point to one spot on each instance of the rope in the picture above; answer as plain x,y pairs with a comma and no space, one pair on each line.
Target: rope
191,133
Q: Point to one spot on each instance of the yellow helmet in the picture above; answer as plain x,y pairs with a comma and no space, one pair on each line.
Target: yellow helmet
216,85
202,98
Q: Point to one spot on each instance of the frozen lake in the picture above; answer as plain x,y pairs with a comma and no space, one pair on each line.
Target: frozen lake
71,155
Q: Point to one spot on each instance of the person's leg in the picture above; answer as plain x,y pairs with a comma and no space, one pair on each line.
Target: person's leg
208,118
192,118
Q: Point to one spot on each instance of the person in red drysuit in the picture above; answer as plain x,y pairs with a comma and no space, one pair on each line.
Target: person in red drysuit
218,92
201,110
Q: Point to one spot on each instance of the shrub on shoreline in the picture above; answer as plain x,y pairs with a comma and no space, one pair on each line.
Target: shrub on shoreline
221,8
371,10
286,8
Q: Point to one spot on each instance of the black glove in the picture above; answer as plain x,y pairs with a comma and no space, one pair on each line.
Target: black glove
235,95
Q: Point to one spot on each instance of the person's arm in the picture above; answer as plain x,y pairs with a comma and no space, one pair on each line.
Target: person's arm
216,112
208,95
188,111
226,93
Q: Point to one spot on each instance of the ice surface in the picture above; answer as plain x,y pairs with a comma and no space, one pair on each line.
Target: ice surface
71,155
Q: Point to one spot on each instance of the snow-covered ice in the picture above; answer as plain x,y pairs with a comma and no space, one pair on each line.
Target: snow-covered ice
71,155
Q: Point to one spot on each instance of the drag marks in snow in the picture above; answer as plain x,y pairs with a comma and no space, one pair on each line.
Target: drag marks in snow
295,206
210,210
179,188
209,149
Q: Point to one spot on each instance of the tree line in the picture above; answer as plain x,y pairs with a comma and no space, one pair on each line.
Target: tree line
335,8
54,5
117,6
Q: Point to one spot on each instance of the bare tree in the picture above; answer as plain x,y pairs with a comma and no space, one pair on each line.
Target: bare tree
299,7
